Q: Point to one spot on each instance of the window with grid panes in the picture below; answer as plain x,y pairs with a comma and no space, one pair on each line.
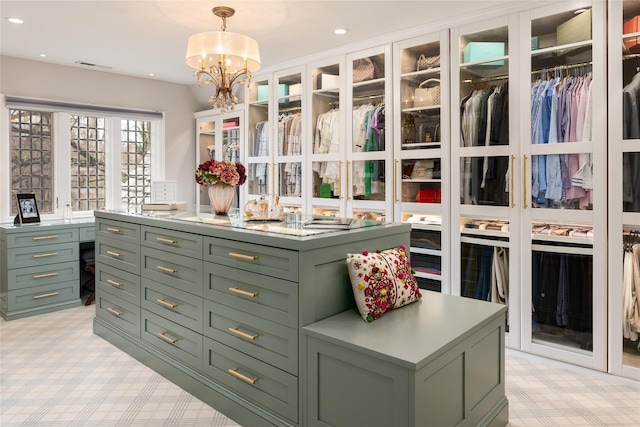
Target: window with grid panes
92,181
136,162
31,154
87,163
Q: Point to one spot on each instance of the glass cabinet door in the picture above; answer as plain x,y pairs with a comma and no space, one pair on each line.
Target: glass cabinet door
369,131
484,246
563,221
421,152
624,188
327,148
219,136
259,150
288,133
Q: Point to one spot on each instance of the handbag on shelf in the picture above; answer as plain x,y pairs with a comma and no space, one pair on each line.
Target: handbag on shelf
363,69
426,62
422,169
427,96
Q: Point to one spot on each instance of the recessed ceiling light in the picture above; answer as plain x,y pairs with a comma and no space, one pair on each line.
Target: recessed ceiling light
151,74
15,20
43,55
579,11
340,31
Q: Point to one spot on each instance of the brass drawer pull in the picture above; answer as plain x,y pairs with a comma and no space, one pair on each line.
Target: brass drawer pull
243,293
40,276
244,378
115,312
114,230
166,269
163,240
115,254
44,237
242,256
114,283
166,338
45,255
243,334
165,303
50,294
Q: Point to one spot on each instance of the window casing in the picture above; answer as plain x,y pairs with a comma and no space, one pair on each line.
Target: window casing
93,161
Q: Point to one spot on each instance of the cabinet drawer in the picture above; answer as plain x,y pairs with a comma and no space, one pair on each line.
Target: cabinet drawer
264,260
87,234
175,270
118,230
264,296
268,341
121,255
39,296
177,242
21,278
179,342
257,381
176,305
43,254
41,237
119,312
119,283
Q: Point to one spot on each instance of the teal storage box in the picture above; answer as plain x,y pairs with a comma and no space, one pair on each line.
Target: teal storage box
480,51
263,92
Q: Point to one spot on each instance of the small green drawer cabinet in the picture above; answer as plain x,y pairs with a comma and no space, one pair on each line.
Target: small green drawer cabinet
40,266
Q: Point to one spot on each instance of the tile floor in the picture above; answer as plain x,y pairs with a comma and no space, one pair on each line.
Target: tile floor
55,372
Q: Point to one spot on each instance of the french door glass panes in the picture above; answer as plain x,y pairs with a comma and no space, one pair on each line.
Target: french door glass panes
32,151
87,143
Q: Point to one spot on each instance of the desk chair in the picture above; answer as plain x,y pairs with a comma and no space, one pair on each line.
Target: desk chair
88,263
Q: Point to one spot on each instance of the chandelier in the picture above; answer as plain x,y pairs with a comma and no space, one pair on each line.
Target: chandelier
226,60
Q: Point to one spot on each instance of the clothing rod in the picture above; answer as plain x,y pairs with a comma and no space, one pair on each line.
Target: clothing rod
631,56
286,110
367,98
484,242
563,67
562,249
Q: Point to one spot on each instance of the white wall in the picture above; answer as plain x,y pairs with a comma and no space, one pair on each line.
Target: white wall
35,79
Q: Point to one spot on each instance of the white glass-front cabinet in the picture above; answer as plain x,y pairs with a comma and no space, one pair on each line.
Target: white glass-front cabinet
276,143
564,203
485,175
369,135
259,140
624,188
421,153
219,137
326,141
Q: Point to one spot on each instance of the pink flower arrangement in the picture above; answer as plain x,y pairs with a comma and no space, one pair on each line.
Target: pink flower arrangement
213,172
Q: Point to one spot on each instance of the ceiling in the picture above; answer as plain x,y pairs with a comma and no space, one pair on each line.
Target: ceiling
150,36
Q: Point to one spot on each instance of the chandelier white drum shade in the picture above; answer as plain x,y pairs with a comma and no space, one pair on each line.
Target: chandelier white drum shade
225,59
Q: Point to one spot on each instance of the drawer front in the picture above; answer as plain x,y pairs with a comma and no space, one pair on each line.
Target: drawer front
121,255
264,296
270,342
22,278
119,312
119,283
176,242
41,237
176,305
179,271
179,342
118,230
87,234
42,255
39,296
257,381
259,259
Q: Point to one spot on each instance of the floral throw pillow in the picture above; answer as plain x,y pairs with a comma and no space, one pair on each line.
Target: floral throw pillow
382,281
